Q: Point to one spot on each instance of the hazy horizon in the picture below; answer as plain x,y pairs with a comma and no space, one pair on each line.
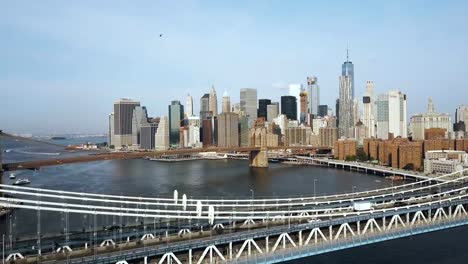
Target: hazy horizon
63,64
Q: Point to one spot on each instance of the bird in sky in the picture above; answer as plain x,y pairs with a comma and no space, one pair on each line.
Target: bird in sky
160,35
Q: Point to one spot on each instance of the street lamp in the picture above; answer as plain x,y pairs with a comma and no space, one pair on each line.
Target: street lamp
315,180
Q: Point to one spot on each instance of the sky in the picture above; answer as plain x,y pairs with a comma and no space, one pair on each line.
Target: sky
64,63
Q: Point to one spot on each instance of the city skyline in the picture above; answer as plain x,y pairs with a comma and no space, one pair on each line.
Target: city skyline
50,82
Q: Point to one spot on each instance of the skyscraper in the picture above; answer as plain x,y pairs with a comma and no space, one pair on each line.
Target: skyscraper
272,111
313,91
176,114
262,107
189,106
140,118
391,115
162,134
346,97
322,110
123,115
289,107
248,102
226,102
228,130
304,106
205,112
111,130
244,131
368,110
295,90
148,135
213,102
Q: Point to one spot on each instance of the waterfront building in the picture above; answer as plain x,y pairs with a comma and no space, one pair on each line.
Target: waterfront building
205,112
189,106
194,136
296,136
123,115
295,91
346,99
226,104
140,118
263,108
148,135
228,130
213,98
391,115
323,110
244,131
272,111
431,119
328,136
289,107
344,149
313,91
248,102
111,139
162,134
445,161
337,110
176,115
368,109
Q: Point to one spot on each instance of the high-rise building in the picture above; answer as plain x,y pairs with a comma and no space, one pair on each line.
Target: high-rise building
176,115
420,122
295,90
213,102
244,131
304,107
140,118
461,114
111,130
391,115
148,135
368,110
289,106
205,112
194,136
313,91
322,110
262,107
248,102
162,134
337,110
346,97
123,115
189,106
328,136
272,111
228,130
207,133
226,102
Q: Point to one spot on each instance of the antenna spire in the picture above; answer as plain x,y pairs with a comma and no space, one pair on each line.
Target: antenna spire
347,53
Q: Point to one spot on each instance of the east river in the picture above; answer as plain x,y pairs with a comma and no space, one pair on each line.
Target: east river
223,179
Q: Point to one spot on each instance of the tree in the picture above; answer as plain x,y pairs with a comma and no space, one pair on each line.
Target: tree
361,155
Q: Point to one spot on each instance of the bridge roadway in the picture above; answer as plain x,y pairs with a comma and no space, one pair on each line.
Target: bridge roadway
141,154
385,224
451,191
192,207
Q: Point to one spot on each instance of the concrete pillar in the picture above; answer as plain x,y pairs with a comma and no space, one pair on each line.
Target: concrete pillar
258,158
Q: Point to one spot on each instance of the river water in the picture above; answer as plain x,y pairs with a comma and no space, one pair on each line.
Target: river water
222,179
